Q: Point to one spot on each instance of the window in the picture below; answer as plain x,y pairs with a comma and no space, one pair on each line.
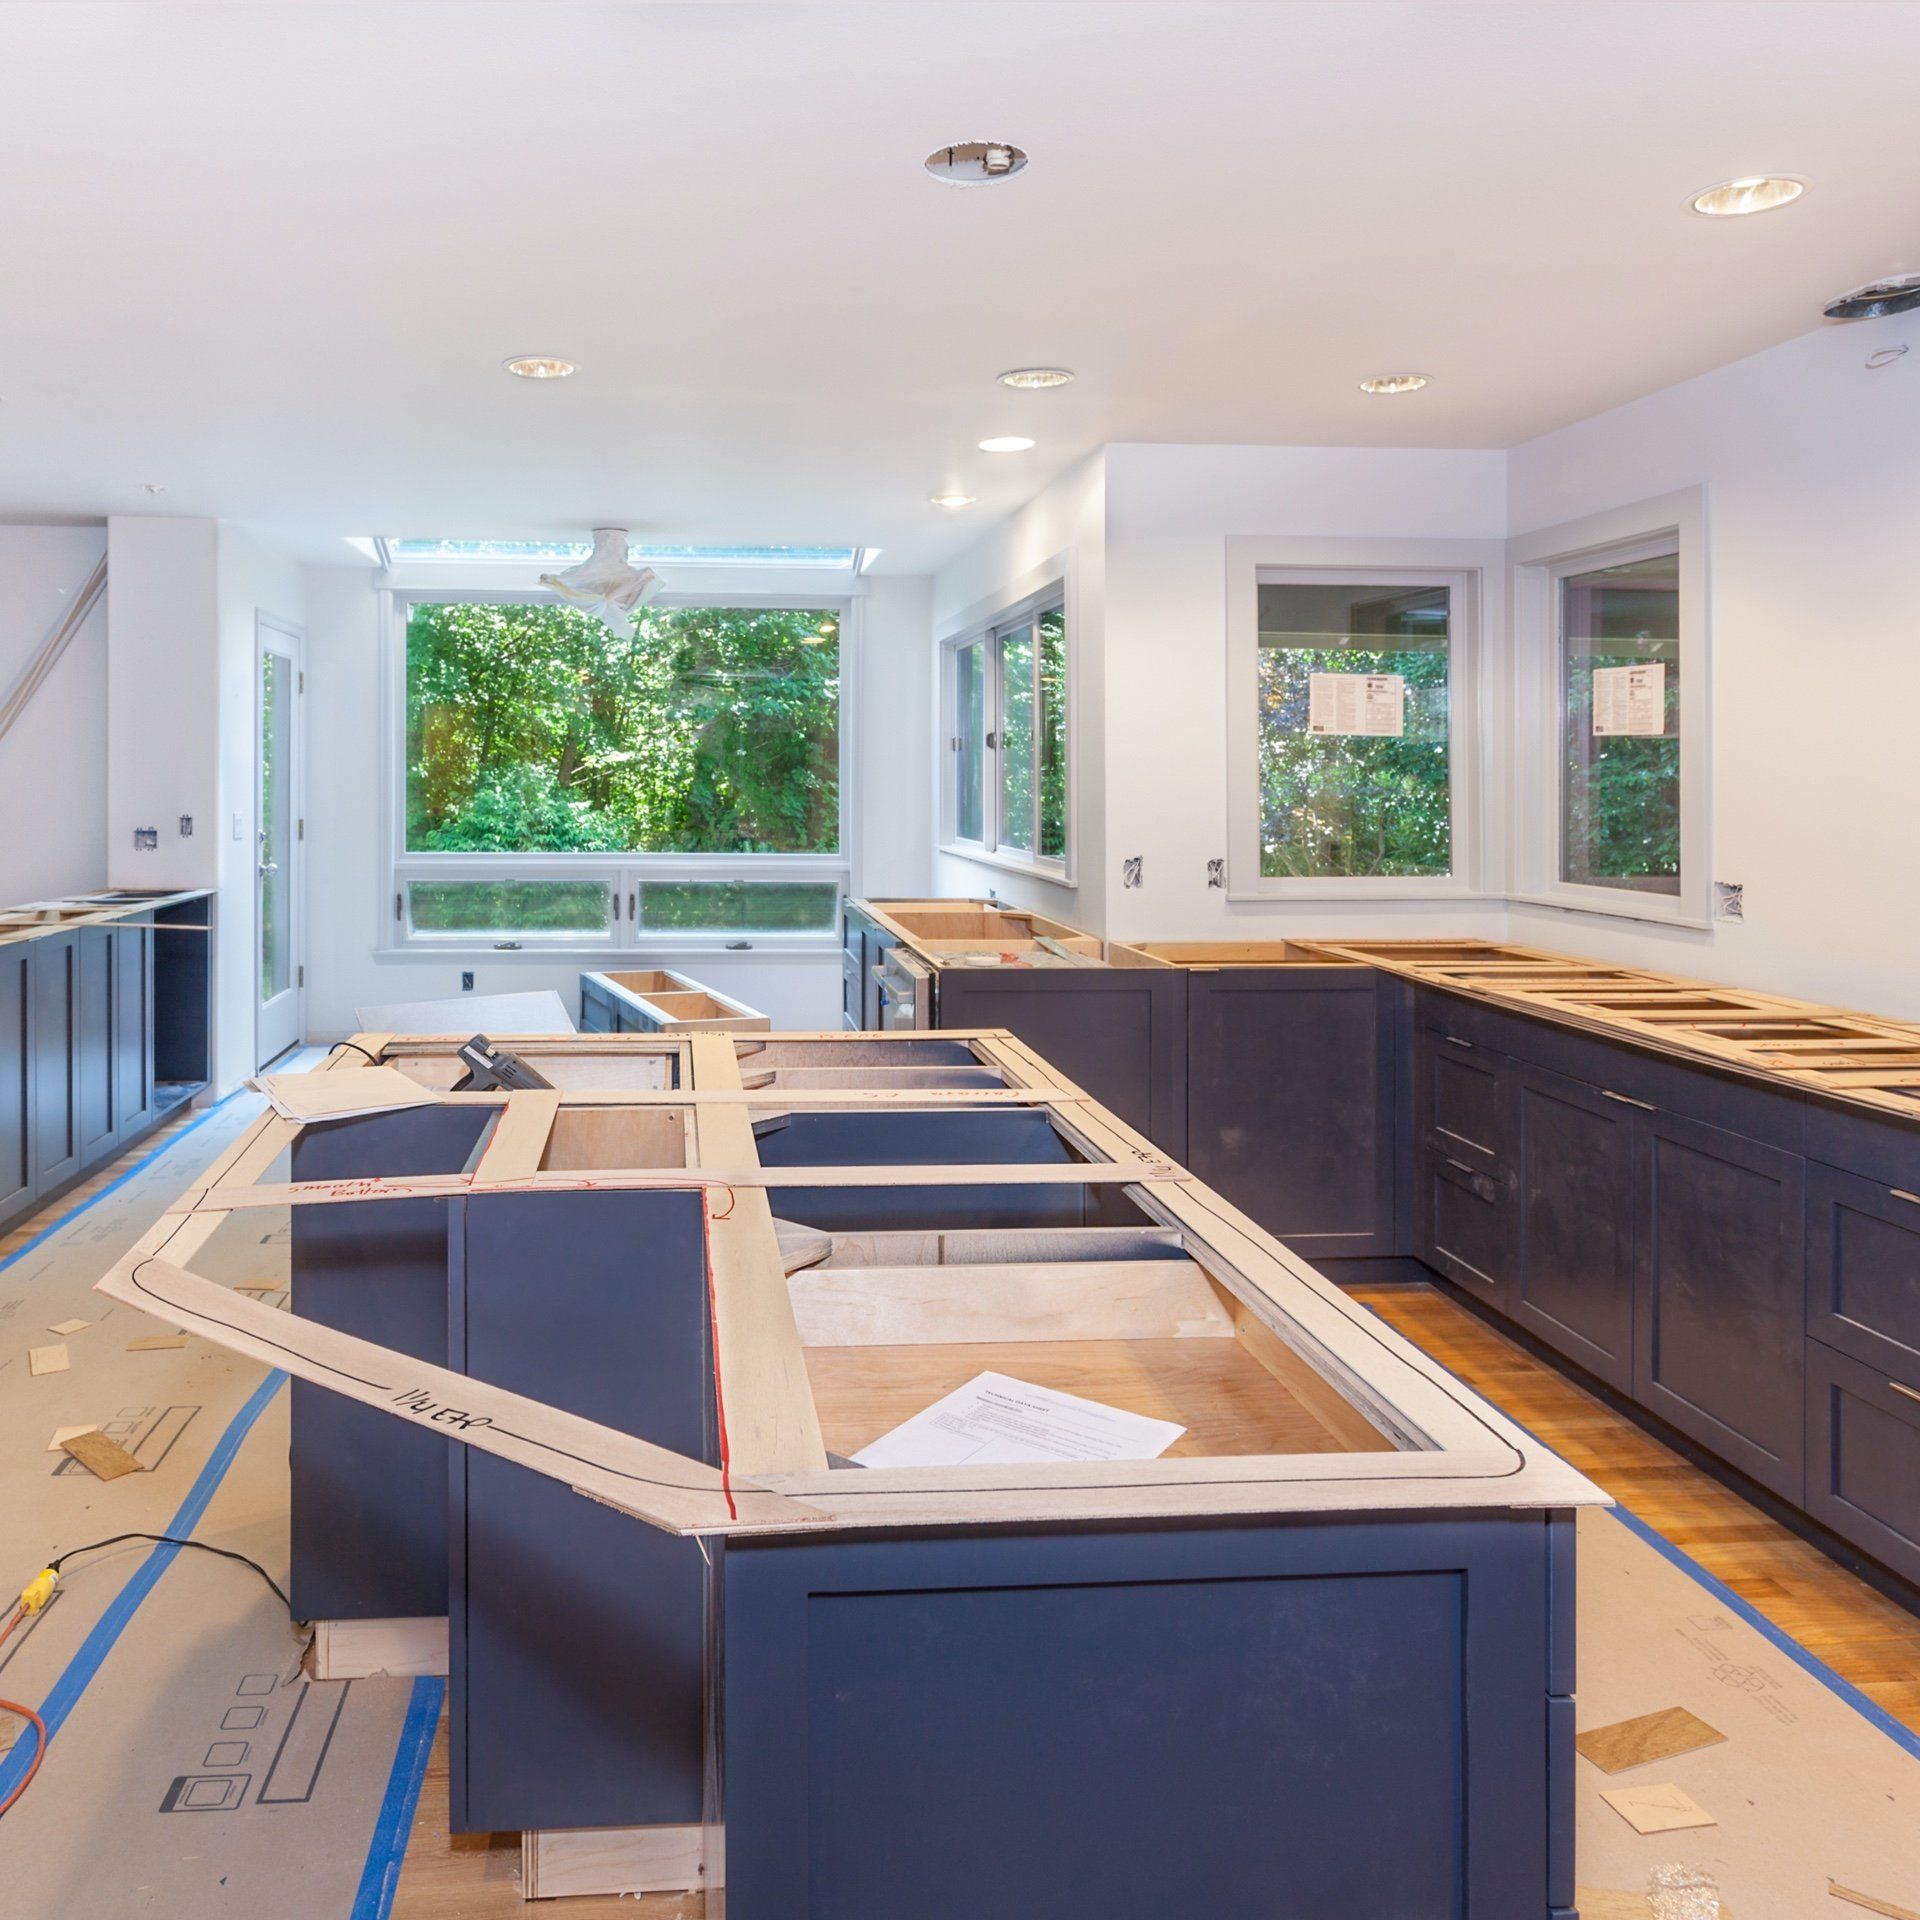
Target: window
1610,665
1620,712
561,786
1005,699
1351,716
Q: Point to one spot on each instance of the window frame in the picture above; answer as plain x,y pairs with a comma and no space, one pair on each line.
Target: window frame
623,873
1541,560
1474,572
989,635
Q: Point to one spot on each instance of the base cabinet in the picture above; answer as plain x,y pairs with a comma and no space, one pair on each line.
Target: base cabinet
133,1032
1720,1340
16,1078
55,1026
1863,1456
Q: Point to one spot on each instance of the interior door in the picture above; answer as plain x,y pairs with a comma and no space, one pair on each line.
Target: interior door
280,1021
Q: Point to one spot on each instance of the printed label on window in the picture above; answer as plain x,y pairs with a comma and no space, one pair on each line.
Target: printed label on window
1630,699
1373,703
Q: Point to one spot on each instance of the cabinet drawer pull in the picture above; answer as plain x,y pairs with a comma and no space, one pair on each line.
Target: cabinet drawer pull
1900,1193
1912,1393
1460,1166
1454,1040
1627,1100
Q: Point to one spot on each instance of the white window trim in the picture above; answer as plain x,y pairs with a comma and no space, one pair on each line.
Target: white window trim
623,872
1539,561
1476,571
976,625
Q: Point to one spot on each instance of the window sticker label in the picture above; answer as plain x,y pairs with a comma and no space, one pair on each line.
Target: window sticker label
1372,703
1630,700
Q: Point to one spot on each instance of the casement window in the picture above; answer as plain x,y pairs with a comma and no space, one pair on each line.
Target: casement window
556,787
1007,793
1351,709
1610,653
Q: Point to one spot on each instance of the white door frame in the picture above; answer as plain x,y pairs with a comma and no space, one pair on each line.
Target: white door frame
281,1022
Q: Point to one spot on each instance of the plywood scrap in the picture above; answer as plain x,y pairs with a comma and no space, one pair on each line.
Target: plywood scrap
1664,1808
105,1459
156,1342
1888,1909
65,1327
1609,1903
1645,1738
48,1359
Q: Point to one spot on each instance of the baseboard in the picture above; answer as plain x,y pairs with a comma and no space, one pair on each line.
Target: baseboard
359,1649
556,1862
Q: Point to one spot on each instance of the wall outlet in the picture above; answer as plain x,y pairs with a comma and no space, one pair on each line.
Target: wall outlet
239,827
466,983
186,826
145,839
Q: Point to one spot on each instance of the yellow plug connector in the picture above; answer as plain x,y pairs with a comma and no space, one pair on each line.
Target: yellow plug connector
39,1590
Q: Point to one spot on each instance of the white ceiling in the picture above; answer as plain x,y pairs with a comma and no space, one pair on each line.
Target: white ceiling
271,256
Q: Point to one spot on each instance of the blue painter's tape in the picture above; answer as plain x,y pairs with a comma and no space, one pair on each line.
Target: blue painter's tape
119,1180
387,1850
106,1631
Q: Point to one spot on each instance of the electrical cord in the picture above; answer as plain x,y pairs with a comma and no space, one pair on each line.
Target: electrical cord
174,1540
28,1714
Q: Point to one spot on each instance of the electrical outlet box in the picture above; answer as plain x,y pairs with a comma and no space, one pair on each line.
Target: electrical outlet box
1729,900
466,983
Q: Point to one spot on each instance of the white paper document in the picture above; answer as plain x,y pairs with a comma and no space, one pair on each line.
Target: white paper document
996,1421
1357,703
344,1094
1629,700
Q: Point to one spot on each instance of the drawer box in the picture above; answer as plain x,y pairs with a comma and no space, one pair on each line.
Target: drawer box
655,1000
1863,1457
1863,1269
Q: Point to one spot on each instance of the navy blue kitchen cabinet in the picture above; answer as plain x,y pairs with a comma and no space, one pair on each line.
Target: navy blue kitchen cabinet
1463,1158
16,1078
135,1102
1123,1723
1863,1269
1291,1109
55,1046
1576,1176
1863,1456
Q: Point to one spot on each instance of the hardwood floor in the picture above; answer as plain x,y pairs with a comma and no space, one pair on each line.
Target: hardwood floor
1861,1635
41,1218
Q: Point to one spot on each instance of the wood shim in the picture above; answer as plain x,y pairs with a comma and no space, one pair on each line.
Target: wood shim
1658,1809
1646,1738
156,1342
667,1490
1608,1903
48,1359
1888,1909
65,1327
105,1459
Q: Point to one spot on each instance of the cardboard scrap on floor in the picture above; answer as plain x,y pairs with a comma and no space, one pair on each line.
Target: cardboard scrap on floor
1657,1809
61,1435
105,1459
1885,1908
1647,1737
48,1359
156,1342
65,1327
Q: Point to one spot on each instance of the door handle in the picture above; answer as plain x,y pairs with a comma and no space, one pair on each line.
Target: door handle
1912,1393
269,866
1627,1100
1900,1193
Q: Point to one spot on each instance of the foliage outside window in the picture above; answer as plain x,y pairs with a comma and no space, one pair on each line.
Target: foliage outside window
1346,805
1007,712
1620,763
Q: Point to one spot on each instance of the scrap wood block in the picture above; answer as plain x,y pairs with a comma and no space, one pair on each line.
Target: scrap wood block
105,1459
1608,1903
1658,1809
259,1286
48,1359
156,1342
1647,1737
65,1327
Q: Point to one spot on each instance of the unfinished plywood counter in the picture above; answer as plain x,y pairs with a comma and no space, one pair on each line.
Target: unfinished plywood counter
1339,1605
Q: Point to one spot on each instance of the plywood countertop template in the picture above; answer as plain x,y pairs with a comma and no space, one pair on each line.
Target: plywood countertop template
39,919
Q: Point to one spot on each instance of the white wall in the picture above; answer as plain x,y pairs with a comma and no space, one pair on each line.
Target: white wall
1812,469
53,761
348,898
1062,529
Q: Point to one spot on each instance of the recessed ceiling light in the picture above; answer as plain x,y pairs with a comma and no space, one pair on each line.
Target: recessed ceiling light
952,499
1757,193
540,366
1006,443
1032,379
1877,299
975,163
1395,383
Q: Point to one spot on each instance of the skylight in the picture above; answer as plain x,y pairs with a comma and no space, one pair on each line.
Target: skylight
828,559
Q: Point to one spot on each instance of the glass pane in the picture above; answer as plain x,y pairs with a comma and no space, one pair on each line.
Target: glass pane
739,906
969,729
1620,795
1053,733
1016,739
509,907
532,729
276,825
1368,794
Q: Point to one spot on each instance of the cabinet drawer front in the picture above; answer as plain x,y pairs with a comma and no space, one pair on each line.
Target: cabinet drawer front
1863,1458
1462,1101
1462,1226
1863,1269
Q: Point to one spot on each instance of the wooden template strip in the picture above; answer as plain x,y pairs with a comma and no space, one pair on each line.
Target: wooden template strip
653,1484
519,1138
767,1412
792,1099
442,1186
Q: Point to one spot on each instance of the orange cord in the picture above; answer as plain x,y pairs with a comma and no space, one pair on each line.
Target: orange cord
26,1713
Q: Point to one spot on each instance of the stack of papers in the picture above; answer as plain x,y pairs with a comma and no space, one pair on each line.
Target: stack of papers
995,1421
342,1094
